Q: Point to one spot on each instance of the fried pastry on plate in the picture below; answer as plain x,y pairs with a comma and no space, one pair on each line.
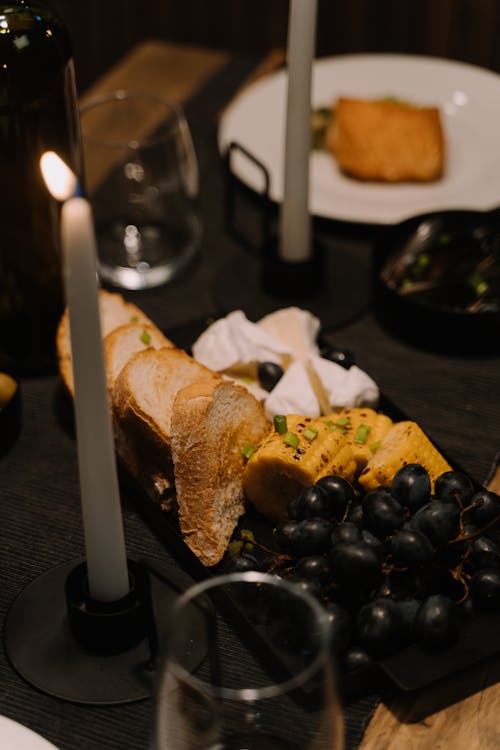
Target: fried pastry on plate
386,140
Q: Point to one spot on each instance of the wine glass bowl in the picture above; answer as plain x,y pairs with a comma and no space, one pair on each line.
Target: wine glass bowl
142,178
247,665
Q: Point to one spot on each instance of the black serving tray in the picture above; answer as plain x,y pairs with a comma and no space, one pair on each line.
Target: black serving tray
411,669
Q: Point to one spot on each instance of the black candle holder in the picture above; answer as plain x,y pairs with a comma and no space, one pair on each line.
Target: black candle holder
331,282
293,281
110,627
69,646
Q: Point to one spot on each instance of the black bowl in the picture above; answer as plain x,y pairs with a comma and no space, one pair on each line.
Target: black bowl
10,408
437,281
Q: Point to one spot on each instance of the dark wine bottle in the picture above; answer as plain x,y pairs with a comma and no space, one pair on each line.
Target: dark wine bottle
38,112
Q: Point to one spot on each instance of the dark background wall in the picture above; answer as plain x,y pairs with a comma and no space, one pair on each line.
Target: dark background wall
103,30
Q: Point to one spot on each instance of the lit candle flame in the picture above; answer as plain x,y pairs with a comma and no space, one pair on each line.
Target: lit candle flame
60,180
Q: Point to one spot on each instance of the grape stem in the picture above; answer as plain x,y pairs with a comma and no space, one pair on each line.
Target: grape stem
281,556
475,534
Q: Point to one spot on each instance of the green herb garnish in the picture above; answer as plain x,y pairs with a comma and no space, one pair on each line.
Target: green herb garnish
248,450
292,439
374,446
280,423
361,435
311,433
145,337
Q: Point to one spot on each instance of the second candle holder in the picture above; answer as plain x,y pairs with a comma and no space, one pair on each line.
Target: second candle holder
72,648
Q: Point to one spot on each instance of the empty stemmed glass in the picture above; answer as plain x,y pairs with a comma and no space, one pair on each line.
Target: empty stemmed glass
142,178
247,666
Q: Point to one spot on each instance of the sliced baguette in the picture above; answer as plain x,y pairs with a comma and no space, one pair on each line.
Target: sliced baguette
114,312
142,401
147,375
122,342
211,423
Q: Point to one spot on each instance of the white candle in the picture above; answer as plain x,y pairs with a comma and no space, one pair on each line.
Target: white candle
100,498
295,221
101,510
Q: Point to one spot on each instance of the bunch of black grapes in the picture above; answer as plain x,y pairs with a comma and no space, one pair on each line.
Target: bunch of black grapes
394,566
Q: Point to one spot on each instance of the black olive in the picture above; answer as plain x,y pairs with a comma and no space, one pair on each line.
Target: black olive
340,356
269,373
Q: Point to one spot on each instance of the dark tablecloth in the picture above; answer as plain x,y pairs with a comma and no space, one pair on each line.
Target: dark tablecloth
456,399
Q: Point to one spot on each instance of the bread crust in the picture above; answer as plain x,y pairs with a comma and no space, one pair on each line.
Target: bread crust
146,387
114,311
142,401
211,423
125,341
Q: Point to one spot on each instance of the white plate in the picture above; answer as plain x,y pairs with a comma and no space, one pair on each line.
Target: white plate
14,736
469,99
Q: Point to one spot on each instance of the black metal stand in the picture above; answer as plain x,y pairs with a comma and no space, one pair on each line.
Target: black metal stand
71,647
258,281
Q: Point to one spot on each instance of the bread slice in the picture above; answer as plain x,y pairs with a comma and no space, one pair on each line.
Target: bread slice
114,312
122,342
169,409
386,140
143,397
212,421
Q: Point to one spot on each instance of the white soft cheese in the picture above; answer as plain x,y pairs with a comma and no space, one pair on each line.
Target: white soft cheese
344,389
235,343
310,385
293,394
295,328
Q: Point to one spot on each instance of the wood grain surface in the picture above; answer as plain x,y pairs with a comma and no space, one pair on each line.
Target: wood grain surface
418,722
171,70
165,70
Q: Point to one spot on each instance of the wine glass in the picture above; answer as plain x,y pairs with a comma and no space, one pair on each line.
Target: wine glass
142,178
247,665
